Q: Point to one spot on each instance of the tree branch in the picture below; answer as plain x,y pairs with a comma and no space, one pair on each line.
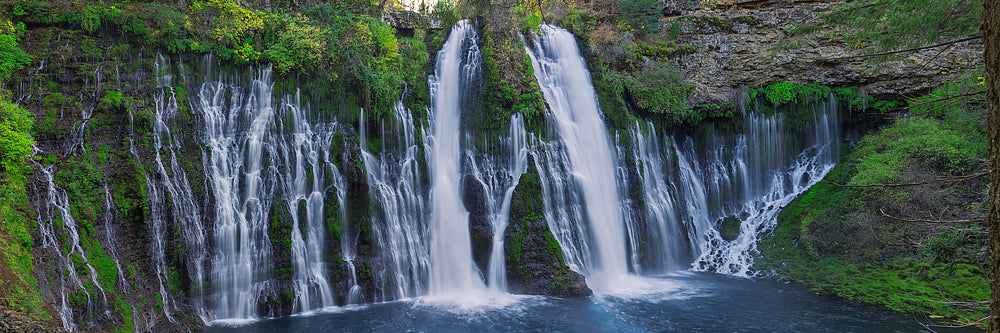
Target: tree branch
956,100
953,179
977,92
930,221
913,49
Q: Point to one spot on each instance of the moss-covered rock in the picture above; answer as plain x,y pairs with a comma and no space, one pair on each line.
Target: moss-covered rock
535,262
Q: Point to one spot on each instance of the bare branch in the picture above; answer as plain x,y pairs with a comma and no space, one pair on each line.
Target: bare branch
956,100
930,221
977,92
953,179
912,49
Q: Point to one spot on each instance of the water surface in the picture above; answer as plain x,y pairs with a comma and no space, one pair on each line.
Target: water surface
682,302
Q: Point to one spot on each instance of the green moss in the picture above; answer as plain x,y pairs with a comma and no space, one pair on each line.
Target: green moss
122,307
112,100
831,239
53,101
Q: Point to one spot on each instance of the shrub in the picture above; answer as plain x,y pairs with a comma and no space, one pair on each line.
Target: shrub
445,12
12,57
300,45
15,138
660,88
643,16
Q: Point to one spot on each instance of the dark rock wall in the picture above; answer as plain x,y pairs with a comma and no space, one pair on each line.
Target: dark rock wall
535,262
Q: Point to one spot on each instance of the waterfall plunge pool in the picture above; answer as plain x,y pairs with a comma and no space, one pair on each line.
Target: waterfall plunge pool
679,302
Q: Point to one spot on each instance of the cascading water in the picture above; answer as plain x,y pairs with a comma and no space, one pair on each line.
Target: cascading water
668,235
109,236
58,232
172,190
399,210
566,86
749,175
452,270
788,178
498,176
307,163
239,139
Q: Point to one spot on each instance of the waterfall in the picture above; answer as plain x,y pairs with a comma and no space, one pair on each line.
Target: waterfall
452,270
751,175
109,236
668,236
586,157
398,210
776,181
498,176
307,163
58,232
172,188
240,141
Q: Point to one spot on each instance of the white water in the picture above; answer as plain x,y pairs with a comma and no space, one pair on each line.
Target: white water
779,185
307,163
452,271
750,175
238,137
498,176
399,219
110,213
172,190
64,242
566,86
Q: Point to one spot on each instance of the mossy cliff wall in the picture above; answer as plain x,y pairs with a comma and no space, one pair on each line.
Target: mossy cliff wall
535,262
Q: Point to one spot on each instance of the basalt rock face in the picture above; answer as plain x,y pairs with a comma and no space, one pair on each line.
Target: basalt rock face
535,262
480,229
750,44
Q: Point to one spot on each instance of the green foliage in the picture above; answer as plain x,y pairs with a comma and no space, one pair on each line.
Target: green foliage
883,155
892,24
783,93
798,29
444,11
950,139
299,46
107,272
125,309
15,138
780,93
112,100
675,29
660,88
16,230
642,16
12,57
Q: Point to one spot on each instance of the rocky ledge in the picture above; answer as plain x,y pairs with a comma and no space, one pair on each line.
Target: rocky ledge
757,43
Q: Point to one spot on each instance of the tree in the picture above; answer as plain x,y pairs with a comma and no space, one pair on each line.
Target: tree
643,16
991,55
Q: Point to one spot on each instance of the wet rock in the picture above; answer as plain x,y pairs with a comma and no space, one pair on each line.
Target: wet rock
480,229
534,260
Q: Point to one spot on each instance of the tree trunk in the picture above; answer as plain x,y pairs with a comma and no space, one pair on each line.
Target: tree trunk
991,54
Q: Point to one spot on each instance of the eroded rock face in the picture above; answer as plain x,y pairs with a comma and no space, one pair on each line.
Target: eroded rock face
405,19
740,47
13,320
534,262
